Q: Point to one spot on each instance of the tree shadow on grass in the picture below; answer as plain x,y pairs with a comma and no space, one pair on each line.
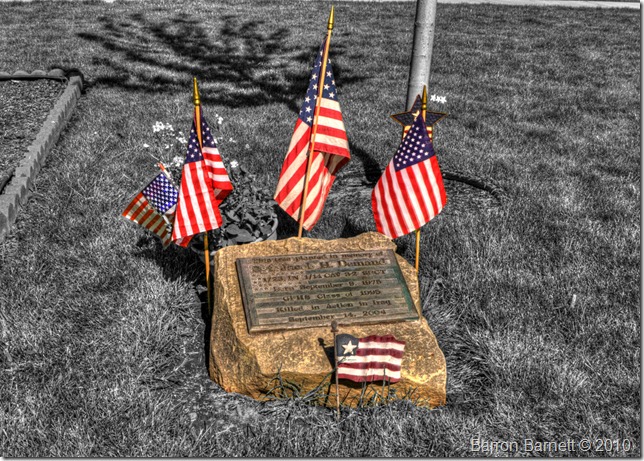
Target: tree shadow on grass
244,63
239,63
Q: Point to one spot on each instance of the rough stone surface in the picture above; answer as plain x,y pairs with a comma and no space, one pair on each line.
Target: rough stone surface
247,363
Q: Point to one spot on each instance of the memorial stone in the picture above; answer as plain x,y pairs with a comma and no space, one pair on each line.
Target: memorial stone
256,333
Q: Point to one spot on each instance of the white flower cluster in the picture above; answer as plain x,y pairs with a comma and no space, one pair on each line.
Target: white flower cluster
436,98
177,161
165,137
162,127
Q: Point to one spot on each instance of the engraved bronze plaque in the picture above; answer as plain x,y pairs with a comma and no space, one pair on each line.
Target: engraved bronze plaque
310,290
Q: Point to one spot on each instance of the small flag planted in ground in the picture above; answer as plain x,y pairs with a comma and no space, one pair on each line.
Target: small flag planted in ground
369,359
147,208
204,184
331,150
410,192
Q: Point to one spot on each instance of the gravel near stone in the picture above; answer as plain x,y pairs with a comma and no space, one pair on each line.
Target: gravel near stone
24,106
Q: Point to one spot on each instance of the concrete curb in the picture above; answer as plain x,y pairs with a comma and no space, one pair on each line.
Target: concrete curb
15,193
57,74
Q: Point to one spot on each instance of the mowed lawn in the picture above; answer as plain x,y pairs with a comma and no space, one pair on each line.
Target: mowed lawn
534,300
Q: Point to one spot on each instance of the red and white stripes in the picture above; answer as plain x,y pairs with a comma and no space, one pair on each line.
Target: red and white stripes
404,201
141,212
376,358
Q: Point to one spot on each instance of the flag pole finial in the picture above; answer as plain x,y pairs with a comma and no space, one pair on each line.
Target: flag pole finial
311,149
424,100
195,92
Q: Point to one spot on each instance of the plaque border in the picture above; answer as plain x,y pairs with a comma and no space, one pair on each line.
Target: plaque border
247,295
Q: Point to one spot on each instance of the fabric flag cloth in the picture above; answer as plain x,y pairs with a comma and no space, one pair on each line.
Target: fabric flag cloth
204,185
330,155
148,207
220,181
373,358
410,192
162,194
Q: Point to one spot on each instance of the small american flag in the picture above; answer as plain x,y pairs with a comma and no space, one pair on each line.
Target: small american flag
331,150
216,170
204,184
410,192
374,358
162,194
141,212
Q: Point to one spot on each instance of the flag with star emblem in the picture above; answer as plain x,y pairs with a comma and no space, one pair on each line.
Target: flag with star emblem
373,358
204,185
406,119
410,192
330,155
142,210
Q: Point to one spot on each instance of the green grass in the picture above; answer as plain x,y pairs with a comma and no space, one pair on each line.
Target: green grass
103,332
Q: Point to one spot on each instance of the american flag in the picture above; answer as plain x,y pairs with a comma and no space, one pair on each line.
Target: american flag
142,212
162,194
216,170
331,150
374,358
410,192
204,184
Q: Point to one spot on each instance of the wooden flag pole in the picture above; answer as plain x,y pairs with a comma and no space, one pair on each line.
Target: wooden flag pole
325,58
417,249
334,329
206,251
423,113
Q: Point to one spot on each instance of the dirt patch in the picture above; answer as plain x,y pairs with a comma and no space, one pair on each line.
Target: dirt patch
25,106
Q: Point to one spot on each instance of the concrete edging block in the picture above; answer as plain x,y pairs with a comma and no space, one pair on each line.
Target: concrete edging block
11,199
17,191
25,169
7,215
35,154
19,188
